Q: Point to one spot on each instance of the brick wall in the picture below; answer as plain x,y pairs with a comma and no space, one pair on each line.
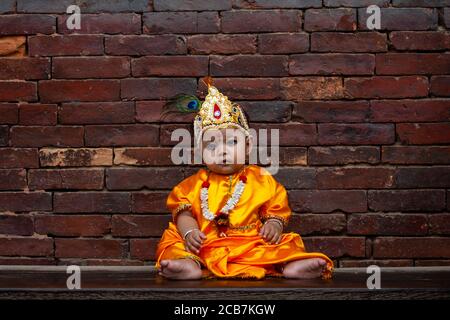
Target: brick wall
364,119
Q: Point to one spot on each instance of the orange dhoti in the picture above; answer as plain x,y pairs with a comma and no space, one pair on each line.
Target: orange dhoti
243,253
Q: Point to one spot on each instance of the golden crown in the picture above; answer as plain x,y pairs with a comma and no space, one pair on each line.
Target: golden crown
218,112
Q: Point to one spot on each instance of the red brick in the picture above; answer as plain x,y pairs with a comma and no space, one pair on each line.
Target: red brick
291,134
139,226
324,224
143,249
180,22
348,42
221,44
4,136
412,247
248,21
19,225
424,133
335,247
297,178
275,4
17,91
439,223
386,87
90,67
310,88
387,224
323,201
416,155
354,134
88,6
440,86
82,157
91,202
420,40
183,66
355,3
122,135
38,114
293,156
149,202
90,248
138,178
18,158
446,17
25,201
267,111
33,247
402,19
409,110
165,135
42,179
57,45
150,111
343,155
79,90
7,6
47,136
343,19
96,113
152,156
331,111
199,5
9,113
27,24
279,43
431,263
249,65
355,178
425,177
420,3
248,88
73,225
406,200
144,45
13,179
412,63
156,88
331,64
24,69
103,23
13,46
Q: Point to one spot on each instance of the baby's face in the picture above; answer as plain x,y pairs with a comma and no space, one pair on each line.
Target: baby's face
225,150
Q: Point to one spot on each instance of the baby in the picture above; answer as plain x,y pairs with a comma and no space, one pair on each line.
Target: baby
228,218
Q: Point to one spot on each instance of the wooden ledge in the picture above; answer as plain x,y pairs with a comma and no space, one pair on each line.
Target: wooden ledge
142,282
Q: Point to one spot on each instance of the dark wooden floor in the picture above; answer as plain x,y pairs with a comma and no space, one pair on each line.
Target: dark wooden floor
41,282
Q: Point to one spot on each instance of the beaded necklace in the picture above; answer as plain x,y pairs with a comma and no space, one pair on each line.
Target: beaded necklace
222,217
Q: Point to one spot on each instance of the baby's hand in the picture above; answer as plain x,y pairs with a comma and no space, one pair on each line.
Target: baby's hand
271,231
194,241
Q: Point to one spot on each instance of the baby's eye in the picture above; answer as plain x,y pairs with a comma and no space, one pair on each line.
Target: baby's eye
232,142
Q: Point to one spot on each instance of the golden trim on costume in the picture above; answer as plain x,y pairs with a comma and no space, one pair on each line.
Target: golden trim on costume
181,207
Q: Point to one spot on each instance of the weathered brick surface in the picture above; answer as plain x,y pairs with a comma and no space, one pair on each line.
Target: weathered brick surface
363,119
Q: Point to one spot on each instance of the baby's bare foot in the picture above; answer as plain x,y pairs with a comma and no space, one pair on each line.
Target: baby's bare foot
304,269
180,269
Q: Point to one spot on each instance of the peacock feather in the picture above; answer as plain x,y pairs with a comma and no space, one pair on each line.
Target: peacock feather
181,103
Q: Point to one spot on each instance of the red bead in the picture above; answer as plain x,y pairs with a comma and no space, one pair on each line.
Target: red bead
243,178
205,184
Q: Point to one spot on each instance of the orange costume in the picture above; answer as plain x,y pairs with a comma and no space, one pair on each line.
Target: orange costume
243,253
231,221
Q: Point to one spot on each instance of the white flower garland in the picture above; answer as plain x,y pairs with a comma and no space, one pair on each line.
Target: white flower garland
231,203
